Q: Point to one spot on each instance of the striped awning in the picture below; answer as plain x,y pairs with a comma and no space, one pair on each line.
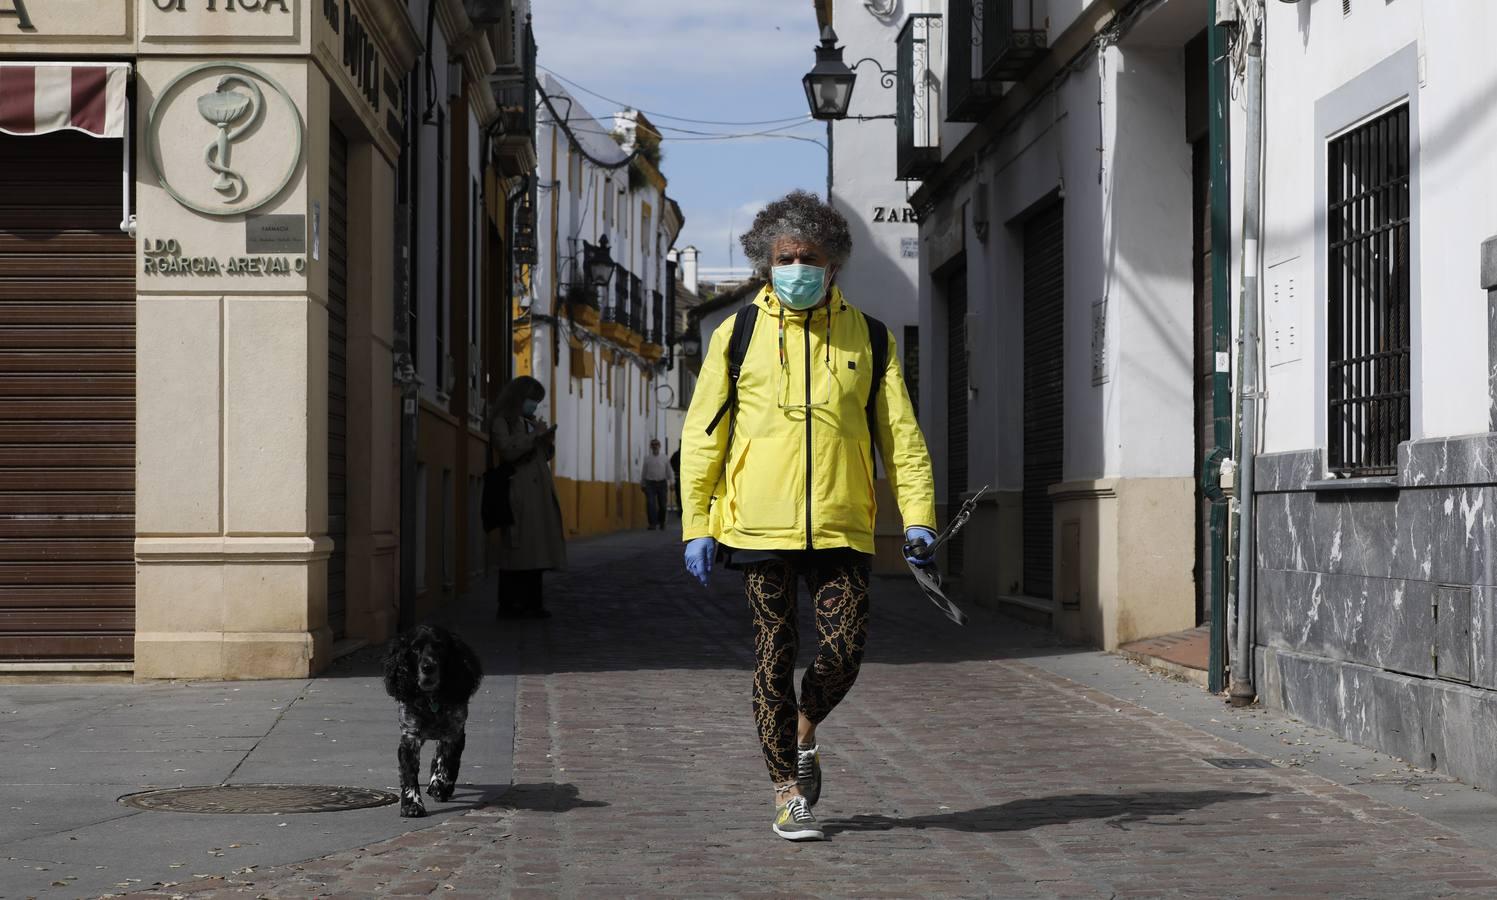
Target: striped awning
38,98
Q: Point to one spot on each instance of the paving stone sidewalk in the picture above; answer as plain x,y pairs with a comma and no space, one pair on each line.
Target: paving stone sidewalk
956,768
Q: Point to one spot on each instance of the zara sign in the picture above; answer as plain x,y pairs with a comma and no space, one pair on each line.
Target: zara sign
895,215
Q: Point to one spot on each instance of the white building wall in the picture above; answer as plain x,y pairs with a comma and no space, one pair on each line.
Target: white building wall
1312,51
1146,261
607,419
880,277
1107,140
1052,154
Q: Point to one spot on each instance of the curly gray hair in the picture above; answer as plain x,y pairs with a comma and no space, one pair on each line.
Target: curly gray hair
801,215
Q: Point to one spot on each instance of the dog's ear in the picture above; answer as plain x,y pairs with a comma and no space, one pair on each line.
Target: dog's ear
462,667
397,665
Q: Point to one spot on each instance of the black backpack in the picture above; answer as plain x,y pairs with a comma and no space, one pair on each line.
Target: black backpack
743,333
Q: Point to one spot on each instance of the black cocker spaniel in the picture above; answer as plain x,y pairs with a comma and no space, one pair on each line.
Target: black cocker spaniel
432,675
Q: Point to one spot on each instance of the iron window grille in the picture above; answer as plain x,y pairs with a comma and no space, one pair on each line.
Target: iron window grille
636,305
918,102
1013,38
968,94
1367,304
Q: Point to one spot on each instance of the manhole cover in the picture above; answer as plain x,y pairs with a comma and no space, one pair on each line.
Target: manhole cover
1247,763
259,798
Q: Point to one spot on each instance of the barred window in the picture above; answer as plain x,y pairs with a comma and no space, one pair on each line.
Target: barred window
1367,313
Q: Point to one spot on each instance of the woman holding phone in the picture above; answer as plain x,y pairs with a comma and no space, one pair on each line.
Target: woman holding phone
535,542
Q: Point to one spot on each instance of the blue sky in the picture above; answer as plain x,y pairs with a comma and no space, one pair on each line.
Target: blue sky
721,60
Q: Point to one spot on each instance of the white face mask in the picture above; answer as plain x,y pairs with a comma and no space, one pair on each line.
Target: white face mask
531,406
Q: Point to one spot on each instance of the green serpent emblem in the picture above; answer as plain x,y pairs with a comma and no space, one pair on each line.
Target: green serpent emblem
223,108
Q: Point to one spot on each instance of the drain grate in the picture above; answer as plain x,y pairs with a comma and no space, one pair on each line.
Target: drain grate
1243,763
259,798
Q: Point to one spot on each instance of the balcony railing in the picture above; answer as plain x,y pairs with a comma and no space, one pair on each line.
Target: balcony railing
1013,38
514,83
657,318
581,290
917,117
968,94
618,309
636,305
670,305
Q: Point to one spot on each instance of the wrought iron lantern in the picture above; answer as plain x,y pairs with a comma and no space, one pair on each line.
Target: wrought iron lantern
829,83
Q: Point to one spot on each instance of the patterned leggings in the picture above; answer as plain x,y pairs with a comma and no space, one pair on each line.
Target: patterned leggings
840,592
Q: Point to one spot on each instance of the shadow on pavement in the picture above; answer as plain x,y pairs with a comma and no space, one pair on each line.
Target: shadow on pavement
626,604
545,797
1121,810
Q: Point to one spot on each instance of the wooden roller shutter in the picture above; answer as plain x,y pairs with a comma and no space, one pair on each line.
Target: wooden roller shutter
67,402
337,382
1044,392
956,405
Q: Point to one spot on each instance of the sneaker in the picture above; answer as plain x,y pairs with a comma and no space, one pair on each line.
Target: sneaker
794,822
808,773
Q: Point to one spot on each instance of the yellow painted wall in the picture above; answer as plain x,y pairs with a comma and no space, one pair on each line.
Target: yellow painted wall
590,508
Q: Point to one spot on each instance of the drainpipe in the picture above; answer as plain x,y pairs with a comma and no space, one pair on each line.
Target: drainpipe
1243,690
1219,91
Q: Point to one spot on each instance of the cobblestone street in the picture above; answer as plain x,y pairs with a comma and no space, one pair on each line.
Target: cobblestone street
955,768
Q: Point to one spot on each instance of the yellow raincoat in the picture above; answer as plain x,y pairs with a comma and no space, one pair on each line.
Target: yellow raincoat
798,474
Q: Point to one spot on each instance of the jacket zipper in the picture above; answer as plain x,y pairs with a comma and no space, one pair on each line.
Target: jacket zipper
806,333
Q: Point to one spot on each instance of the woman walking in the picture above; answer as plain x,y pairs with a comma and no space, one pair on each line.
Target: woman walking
534,542
777,478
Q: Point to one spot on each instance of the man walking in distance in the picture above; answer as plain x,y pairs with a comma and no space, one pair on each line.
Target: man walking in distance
655,479
777,475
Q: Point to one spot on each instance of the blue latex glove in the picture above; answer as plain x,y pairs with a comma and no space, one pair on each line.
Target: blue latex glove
699,555
915,535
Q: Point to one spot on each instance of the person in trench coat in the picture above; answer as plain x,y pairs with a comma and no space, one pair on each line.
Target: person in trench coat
535,542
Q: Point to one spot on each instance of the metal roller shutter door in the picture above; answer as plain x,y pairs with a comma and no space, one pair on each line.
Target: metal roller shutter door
1044,392
337,382
67,402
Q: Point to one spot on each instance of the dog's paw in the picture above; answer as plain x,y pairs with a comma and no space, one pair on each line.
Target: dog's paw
411,806
440,790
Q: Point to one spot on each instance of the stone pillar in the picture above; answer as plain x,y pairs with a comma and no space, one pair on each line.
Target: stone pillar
231,543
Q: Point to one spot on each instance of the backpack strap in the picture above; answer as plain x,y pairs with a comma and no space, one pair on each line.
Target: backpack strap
743,333
878,346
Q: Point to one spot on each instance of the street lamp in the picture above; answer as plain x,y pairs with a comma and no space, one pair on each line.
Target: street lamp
829,83
829,87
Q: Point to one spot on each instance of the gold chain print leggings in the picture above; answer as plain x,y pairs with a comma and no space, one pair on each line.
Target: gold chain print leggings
840,594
